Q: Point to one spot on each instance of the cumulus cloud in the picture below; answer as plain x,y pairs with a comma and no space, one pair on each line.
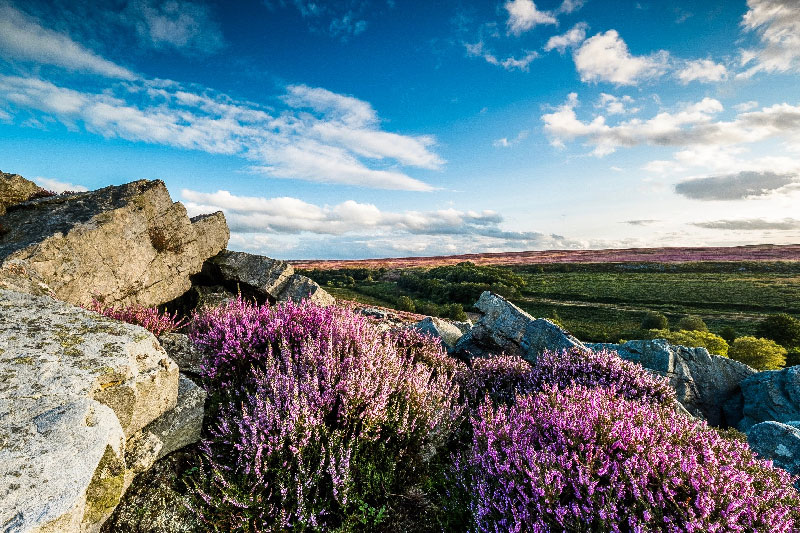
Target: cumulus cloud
738,186
702,70
176,24
616,105
570,6
605,57
572,38
58,186
751,224
510,63
23,38
691,125
777,24
321,136
524,15
263,224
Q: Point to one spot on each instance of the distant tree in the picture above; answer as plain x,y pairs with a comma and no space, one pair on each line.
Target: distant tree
692,323
404,303
455,312
761,354
655,320
729,334
793,357
703,339
783,329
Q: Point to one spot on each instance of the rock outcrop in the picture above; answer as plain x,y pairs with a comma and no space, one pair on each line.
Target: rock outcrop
127,244
15,189
504,327
444,330
779,442
773,395
75,388
262,277
183,352
706,385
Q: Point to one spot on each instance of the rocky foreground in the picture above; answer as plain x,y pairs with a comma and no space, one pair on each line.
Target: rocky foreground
89,404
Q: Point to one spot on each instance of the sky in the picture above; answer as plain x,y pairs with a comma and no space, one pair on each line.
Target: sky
391,128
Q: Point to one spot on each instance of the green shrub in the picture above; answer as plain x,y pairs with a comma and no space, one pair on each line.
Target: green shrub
793,357
761,354
404,303
692,323
655,320
713,343
729,334
783,329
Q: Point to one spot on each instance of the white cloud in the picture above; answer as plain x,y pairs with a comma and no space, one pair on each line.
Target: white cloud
703,70
263,224
510,63
23,38
746,106
777,23
738,186
178,24
572,38
570,6
616,105
692,125
338,141
57,186
506,143
342,19
605,57
523,15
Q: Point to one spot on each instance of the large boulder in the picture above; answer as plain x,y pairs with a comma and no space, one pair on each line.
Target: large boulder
74,388
778,442
126,244
771,395
183,351
504,327
263,278
444,330
15,189
706,385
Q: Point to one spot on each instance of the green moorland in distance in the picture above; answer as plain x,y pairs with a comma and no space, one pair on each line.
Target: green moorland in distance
597,302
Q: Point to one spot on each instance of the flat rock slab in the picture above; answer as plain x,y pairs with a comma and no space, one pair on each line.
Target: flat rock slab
126,244
504,327
706,385
74,386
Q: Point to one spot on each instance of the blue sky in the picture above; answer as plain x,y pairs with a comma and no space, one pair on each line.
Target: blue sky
374,128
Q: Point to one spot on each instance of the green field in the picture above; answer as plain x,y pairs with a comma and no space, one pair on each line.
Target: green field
595,301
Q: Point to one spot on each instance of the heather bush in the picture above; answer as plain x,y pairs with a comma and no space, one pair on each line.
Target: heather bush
585,459
500,378
713,343
322,422
149,318
761,354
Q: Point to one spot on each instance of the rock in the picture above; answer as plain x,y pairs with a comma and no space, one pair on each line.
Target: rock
73,387
504,327
180,426
463,325
183,352
301,288
127,244
158,500
773,395
706,385
214,296
15,189
262,277
779,442
447,332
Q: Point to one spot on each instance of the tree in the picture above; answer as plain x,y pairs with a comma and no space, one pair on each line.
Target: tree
793,357
703,339
655,320
692,323
783,329
729,334
761,354
404,303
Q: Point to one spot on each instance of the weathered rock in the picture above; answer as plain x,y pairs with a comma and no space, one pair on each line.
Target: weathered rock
447,332
214,296
779,442
504,327
183,352
73,387
463,325
123,244
773,395
262,277
15,189
707,385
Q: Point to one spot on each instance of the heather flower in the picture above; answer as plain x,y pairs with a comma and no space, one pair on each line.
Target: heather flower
148,317
586,459
318,414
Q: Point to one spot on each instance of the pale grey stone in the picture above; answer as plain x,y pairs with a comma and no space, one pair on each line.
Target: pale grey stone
771,395
779,442
301,288
126,244
73,387
444,330
181,350
181,425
